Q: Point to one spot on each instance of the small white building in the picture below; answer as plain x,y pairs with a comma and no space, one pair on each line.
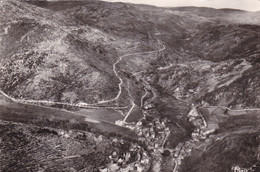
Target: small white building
238,169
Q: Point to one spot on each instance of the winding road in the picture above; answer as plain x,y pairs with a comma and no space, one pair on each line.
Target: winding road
117,74
93,105
142,98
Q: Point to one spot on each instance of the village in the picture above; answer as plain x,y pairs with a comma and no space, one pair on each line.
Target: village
152,136
135,159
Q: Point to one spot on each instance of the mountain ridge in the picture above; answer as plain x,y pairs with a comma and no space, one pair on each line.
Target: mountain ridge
152,63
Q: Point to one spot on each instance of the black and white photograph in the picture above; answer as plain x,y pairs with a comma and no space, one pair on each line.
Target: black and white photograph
130,86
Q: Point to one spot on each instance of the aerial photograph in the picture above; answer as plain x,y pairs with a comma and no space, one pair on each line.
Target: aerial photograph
130,86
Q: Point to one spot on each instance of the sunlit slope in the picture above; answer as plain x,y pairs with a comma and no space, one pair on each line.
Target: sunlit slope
65,51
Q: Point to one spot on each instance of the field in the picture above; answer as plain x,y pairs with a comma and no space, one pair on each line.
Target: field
135,115
44,116
101,114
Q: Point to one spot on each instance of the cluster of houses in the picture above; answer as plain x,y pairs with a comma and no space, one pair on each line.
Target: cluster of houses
199,123
203,128
154,134
133,160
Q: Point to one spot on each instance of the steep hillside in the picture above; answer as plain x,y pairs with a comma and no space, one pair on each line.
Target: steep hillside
70,47
52,59
234,143
141,61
